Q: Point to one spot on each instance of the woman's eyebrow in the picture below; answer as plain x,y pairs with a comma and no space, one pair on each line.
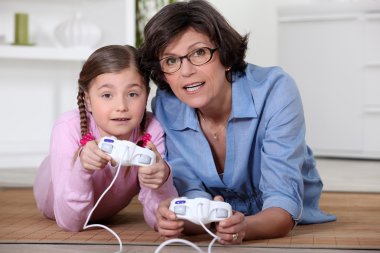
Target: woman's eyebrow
189,49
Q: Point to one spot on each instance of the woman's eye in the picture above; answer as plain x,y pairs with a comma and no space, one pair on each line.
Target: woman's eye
171,61
199,52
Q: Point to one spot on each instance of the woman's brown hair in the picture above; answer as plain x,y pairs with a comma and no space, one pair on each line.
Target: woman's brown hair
174,19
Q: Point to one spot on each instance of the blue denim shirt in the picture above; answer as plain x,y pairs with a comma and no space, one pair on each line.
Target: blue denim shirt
267,161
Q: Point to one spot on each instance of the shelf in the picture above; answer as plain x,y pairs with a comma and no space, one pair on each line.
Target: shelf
44,53
372,64
317,18
372,109
368,7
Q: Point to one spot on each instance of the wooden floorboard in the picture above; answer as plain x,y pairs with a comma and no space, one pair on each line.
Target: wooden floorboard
357,227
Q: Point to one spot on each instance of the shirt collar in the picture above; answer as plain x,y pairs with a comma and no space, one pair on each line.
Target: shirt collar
187,118
243,105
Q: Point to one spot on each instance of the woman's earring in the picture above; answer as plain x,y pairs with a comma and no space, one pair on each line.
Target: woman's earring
228,69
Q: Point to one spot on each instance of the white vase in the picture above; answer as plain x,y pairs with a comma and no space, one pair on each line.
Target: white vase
78,32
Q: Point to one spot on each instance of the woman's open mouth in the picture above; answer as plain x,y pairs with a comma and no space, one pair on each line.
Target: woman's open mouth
193,87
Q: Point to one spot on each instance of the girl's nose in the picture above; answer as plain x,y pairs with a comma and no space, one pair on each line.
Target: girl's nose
122,105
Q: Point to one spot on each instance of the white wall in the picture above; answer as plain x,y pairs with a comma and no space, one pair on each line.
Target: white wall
259,18
357,137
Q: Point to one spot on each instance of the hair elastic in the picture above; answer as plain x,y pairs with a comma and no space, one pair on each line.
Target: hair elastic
144,140
86,138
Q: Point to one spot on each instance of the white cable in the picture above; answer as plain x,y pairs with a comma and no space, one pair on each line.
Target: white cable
85,226
207,230
162,245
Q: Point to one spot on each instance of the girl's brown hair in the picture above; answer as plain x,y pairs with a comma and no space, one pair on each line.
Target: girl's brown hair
107,59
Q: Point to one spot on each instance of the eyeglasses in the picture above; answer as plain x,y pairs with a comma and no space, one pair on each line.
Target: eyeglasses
196,57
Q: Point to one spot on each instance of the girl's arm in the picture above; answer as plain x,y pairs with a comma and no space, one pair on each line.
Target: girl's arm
151,198
72,184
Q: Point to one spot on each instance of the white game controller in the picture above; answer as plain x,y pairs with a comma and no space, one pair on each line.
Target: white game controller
200,210
127,153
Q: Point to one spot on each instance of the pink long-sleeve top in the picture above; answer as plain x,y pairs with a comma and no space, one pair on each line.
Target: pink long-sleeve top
66,192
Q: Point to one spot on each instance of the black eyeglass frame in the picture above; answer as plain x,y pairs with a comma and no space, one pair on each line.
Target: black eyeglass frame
211,50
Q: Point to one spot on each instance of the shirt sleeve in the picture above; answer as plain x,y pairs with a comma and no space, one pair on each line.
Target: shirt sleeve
72,184
150,198
282,154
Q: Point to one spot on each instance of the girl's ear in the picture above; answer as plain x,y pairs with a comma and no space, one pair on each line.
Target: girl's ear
87,101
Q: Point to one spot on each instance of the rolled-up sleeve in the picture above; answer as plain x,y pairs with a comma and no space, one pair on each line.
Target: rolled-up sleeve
283,150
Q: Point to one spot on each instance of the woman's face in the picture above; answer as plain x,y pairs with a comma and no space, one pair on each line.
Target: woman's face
197,86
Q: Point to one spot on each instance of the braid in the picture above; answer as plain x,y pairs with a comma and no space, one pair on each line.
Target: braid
143,124
141,142
82,112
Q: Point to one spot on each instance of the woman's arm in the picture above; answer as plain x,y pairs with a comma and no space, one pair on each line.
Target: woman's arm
269,223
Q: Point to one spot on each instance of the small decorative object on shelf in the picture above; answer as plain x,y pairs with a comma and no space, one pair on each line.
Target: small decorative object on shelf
22,29
78,32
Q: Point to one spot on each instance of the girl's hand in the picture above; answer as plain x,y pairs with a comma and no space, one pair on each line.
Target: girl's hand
231,230
167,223
155,175
92,157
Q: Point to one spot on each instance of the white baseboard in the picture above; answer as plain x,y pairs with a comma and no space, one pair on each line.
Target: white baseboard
337,174
349,175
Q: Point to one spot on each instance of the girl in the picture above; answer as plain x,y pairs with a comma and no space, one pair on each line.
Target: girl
112,99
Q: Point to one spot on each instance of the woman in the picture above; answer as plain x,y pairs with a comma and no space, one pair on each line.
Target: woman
234,131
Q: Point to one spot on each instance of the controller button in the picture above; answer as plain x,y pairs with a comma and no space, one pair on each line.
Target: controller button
221,213
145,159
181,210
107,147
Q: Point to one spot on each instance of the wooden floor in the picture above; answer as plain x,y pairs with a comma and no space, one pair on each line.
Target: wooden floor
23,229
63,248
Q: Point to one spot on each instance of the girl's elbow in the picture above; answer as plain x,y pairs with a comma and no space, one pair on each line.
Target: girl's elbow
69,225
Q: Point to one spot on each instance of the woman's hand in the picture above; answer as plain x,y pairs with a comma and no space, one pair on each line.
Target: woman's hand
92,157
167,223
155,175
231,230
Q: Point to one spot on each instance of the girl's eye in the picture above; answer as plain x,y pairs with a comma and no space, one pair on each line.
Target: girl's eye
133,94
106,95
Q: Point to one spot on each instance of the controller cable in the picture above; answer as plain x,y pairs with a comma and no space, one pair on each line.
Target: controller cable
85,226
162,245
176,240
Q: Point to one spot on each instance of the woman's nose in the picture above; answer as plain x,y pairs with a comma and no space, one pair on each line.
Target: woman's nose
186,67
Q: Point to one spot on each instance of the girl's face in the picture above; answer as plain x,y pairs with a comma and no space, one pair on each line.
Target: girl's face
117,102
197,86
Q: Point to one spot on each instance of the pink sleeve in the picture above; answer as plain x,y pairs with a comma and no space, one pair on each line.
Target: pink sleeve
72,184
149,198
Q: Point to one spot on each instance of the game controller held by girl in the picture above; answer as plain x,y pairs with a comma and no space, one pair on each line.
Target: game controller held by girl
127,153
